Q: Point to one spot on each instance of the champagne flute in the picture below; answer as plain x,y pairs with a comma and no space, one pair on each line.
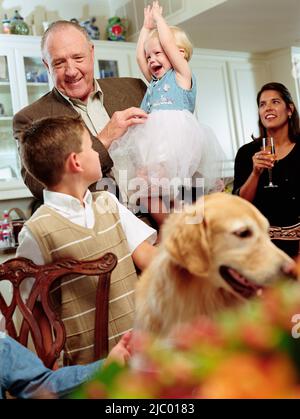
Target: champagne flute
268,145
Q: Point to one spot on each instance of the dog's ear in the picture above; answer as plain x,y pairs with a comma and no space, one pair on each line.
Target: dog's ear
185,236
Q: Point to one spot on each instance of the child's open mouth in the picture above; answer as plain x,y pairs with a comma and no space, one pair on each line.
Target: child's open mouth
156,69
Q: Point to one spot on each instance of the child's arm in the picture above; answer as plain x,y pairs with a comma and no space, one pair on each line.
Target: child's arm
121,352
176,58
140,50
143,255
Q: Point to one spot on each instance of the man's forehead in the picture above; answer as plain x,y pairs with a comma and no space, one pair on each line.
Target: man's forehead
62,38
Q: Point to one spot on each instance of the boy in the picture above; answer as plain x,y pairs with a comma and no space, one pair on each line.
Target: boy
74,223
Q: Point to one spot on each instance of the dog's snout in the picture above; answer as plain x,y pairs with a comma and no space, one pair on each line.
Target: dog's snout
290,269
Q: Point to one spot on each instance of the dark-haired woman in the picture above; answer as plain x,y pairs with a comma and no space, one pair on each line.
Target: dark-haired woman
278,118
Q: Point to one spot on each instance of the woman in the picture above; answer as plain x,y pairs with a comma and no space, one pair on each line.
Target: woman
278,118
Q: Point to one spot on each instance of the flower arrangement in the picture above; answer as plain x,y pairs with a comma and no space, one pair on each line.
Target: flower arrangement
249,352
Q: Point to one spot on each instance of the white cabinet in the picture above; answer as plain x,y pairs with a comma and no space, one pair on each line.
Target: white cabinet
114,59
227,87
213,105
246,78
23,79
295,72
285,68
8,104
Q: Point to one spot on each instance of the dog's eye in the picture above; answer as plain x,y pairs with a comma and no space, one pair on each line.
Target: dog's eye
243,233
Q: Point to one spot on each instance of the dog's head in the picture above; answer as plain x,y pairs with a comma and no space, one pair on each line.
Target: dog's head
224,239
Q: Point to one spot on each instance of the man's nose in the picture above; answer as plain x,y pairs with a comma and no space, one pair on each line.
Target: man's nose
70,68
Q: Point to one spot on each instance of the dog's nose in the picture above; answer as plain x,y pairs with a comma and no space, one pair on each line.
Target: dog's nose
290,269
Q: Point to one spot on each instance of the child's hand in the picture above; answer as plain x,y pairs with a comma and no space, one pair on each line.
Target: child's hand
121,353
157,10
148,18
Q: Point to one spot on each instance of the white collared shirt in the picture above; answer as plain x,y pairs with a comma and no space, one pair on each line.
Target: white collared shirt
136,231
93,112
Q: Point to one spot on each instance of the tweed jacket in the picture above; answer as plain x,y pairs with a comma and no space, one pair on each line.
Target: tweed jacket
119,94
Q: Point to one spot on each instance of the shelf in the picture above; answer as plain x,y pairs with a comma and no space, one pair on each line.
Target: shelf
6,118
4,83
13,189
36,84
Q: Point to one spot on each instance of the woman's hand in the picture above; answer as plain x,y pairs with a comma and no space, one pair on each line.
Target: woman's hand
262,160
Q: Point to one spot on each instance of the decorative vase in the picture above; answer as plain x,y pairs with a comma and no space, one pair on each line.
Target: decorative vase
92,30
6,25
116,29
18,26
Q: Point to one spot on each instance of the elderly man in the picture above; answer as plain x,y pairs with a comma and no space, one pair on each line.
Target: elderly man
108,107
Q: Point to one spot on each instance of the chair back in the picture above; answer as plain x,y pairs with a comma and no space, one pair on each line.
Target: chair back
17,269
286,233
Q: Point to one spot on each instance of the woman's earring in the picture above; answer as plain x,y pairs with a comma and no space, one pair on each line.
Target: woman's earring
290,116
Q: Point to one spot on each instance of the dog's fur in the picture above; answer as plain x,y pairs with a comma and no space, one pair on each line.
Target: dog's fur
184,281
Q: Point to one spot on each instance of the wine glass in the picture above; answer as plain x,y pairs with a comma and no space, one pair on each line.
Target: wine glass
268,145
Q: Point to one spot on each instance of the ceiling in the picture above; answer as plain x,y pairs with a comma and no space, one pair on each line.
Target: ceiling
247,25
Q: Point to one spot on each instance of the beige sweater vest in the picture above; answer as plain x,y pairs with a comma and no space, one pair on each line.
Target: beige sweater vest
74,297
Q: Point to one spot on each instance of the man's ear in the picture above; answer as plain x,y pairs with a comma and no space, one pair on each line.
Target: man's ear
187,243
46,64
92,52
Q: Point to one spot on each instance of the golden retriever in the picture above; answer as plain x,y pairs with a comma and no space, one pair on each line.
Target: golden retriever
208,260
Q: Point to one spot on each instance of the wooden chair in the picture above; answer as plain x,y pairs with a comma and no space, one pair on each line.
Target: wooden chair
286,233
17,269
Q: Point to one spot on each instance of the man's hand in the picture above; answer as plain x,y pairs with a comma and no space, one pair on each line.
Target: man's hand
119,123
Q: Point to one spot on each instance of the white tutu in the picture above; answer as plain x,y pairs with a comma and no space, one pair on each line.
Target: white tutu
170,148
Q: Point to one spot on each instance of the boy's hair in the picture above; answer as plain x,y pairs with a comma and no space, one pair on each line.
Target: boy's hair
181,39
46,145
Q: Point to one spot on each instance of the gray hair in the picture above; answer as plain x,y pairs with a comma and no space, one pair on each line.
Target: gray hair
61,24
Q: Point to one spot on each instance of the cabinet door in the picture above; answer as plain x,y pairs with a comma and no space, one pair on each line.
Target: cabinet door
111,59
32,75
213,105
294,85
9,161
246,80
22,80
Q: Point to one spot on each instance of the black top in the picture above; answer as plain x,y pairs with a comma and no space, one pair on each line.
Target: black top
281,206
